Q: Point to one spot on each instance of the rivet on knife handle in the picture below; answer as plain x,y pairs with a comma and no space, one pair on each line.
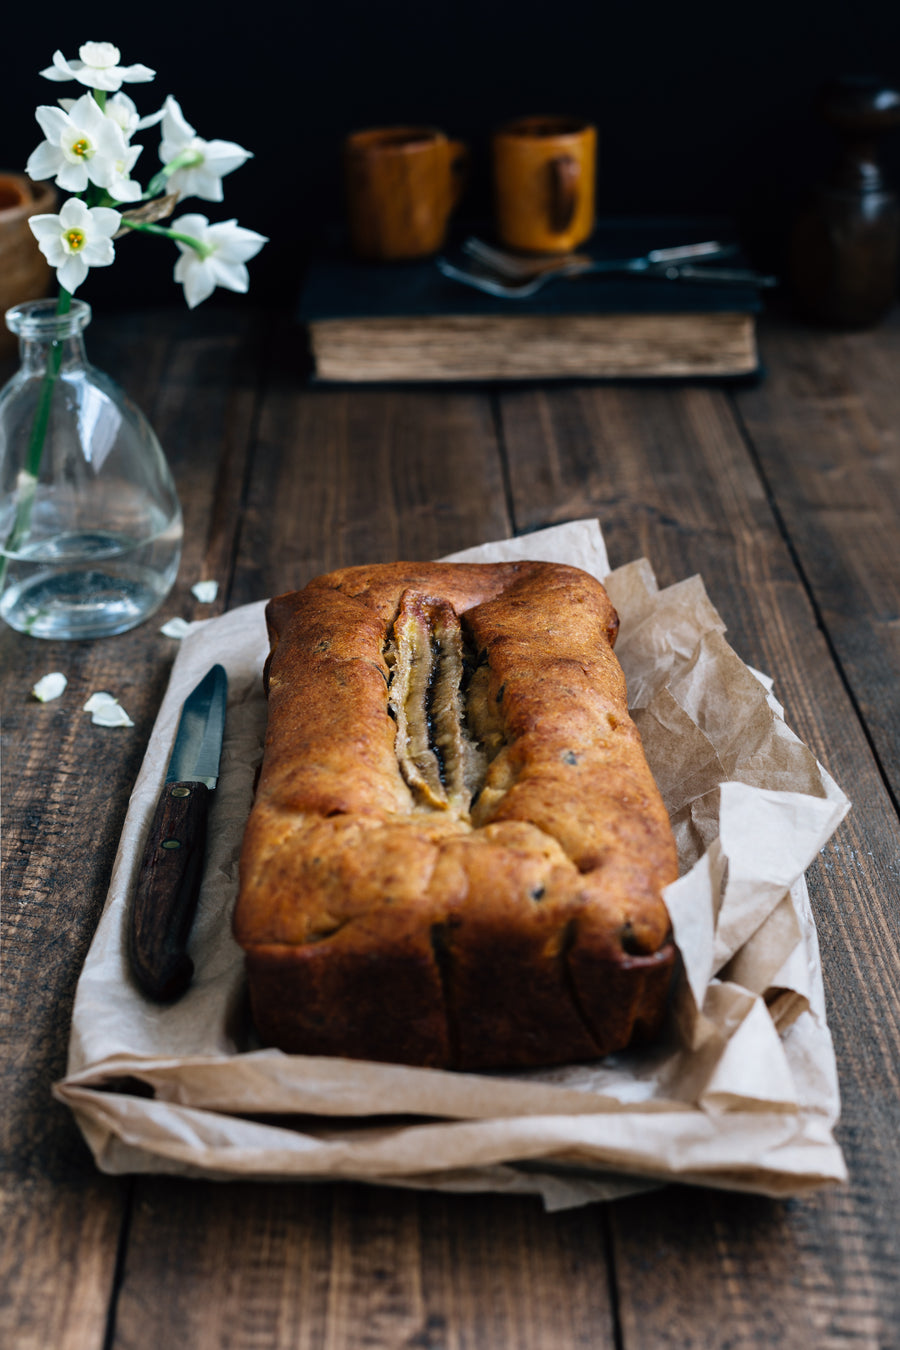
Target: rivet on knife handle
165,899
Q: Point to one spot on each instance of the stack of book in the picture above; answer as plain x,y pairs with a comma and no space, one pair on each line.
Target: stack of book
403,322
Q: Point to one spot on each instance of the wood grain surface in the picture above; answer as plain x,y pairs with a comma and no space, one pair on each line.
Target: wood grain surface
784,497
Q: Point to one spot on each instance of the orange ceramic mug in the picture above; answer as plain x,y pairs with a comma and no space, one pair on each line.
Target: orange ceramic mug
402,184
544,170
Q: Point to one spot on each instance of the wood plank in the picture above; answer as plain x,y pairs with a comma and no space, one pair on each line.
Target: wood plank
342,1267
500,1272
352,476
824,425
60,1235
668,473
713,1271
66,785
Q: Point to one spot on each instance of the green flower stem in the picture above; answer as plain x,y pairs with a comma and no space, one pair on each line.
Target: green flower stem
42,413
147,227
28,480
188,159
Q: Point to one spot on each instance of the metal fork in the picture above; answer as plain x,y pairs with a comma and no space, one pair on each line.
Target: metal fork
518,268
659,262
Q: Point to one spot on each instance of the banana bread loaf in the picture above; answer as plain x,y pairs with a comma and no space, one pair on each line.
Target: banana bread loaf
456,851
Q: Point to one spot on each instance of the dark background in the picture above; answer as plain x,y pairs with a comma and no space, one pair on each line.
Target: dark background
701,108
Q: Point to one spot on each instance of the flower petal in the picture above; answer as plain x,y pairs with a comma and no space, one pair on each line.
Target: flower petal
50,686
225,156
234,243
71,273
111,715
105,219
174,117
98,252
44,226
52,121
123,109
60,70
205,591
150,120
175,628
73,214
233,276
98,700
107,711
99,54
54,251
43,162
107,80
124,189
202,183
137,74
192,223
72,177
196,277
176,129
86,112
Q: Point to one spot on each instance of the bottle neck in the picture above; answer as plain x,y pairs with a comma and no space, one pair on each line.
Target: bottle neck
48,339
66,353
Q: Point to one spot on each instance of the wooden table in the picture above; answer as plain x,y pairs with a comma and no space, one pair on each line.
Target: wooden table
786,498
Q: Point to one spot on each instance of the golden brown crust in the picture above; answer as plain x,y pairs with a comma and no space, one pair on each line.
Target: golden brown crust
386,916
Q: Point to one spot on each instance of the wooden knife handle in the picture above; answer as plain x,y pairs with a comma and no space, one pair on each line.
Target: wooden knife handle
165,898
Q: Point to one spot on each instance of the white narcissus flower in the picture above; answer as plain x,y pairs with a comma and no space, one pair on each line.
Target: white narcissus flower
210,160
123,111
84,145
98,68
79,238
227,247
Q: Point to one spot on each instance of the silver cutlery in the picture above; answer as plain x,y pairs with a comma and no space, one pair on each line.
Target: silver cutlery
502,274
518,267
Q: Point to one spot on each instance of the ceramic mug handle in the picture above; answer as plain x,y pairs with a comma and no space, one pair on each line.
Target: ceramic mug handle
565,177
458,158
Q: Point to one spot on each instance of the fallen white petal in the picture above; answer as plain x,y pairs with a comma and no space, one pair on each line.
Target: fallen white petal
111,715
100,700
205,591
175,628
50,686
106,711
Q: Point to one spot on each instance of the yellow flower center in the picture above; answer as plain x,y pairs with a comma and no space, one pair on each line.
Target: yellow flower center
81,147
75,239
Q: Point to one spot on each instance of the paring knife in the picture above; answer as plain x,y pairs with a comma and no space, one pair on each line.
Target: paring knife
168,883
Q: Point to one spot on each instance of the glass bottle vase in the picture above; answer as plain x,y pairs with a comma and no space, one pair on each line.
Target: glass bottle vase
90,524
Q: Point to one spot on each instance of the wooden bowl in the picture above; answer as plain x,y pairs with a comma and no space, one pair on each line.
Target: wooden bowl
24,272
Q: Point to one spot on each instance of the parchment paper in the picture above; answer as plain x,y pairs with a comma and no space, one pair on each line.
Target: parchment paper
741,1094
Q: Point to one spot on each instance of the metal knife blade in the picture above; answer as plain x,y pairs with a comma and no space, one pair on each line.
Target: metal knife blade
168,884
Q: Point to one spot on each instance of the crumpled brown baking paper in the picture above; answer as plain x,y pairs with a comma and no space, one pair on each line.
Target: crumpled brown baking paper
743,1092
